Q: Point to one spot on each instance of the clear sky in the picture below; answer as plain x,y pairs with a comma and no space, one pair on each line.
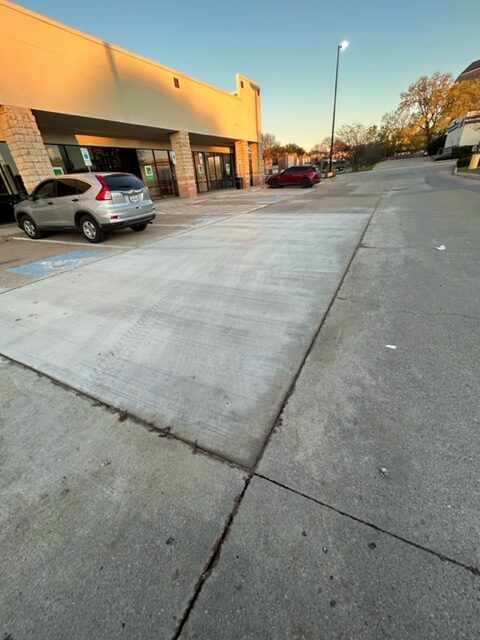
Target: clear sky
289,47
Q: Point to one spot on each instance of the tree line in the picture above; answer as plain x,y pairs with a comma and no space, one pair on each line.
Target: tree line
419,122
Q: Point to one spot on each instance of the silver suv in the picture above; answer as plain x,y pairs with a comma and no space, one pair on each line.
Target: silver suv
94,203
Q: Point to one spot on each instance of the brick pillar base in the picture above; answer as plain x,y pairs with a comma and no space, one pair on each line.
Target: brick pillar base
26,145
242,164
258,168
187,186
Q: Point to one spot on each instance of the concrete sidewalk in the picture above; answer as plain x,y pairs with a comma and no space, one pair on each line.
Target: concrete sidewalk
353,515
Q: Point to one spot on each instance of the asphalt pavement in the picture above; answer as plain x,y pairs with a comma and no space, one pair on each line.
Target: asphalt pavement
262,425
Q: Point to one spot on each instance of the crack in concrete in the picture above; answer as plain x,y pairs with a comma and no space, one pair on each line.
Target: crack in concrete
373,306
437,554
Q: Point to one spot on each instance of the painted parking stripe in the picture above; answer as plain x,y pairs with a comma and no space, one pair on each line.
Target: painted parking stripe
208,218
47,266
165,224
80,244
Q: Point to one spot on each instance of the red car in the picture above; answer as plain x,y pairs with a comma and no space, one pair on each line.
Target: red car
303,175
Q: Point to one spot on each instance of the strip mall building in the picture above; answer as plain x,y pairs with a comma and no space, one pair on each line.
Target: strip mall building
70,102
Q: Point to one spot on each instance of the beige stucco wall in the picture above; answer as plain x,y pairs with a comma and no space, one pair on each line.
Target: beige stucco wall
50,67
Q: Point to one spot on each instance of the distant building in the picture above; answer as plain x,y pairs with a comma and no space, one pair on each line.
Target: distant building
472,72
464,131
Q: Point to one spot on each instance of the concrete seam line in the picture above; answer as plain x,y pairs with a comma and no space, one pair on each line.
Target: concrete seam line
212,560
162,432
437,554
216,552
314,338
77,244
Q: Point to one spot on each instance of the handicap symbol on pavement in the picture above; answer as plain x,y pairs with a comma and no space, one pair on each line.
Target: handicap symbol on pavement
55,263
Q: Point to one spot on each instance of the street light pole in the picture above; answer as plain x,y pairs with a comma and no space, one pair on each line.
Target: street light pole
341,46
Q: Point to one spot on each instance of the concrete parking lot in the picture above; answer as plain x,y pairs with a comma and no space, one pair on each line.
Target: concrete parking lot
173,217
259,422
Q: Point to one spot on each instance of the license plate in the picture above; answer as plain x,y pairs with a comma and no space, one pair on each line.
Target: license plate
134,198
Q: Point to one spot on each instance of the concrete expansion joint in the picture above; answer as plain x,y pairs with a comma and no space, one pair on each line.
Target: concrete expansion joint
162,432
213,559
386,310
474,570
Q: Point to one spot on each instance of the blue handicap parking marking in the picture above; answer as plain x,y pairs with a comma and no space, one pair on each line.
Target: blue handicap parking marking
55,263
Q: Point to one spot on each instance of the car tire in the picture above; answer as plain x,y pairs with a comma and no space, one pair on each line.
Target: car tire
305,183
275,184
141,226
91,230
30,228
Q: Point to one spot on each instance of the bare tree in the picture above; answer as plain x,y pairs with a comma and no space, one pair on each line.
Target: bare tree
271,147
360,142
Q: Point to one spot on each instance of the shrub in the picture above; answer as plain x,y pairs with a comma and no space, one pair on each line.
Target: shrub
464,161
462,152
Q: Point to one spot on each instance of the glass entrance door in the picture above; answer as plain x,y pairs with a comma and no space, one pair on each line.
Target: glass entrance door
213,171
200,171
165,172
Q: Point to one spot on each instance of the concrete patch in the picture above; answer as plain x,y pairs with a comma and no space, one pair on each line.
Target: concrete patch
293,569
104,527
201,333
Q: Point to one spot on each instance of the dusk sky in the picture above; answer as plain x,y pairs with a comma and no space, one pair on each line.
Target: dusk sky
290,47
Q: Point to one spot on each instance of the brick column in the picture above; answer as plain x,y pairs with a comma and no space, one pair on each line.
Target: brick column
26,145
258,168
242,165
187,187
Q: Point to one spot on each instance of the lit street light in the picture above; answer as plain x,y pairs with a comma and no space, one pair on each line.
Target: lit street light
343,45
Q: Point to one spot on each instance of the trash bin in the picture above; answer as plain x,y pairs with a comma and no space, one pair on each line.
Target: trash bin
239,182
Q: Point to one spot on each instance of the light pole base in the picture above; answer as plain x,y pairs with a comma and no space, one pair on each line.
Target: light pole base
330,174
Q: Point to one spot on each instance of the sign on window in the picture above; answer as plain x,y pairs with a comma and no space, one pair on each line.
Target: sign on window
86,156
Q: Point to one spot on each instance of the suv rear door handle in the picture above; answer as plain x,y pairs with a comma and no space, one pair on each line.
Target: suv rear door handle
75,199
49,202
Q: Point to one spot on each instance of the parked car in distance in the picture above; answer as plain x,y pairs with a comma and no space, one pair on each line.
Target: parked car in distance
93,203
303,175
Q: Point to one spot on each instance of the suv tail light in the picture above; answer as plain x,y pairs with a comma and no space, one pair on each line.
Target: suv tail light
104,193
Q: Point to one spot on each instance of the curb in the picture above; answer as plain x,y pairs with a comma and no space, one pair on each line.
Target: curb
464,175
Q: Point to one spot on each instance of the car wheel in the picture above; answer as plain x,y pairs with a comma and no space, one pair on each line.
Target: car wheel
274,184
139,227
30,227
305,183
91,230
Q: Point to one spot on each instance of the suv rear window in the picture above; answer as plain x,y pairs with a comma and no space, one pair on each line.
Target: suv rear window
123,182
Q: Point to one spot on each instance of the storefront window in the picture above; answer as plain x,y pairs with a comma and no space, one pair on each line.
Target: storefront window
155,167
10,180
149,172
164,171
56,158
74,160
